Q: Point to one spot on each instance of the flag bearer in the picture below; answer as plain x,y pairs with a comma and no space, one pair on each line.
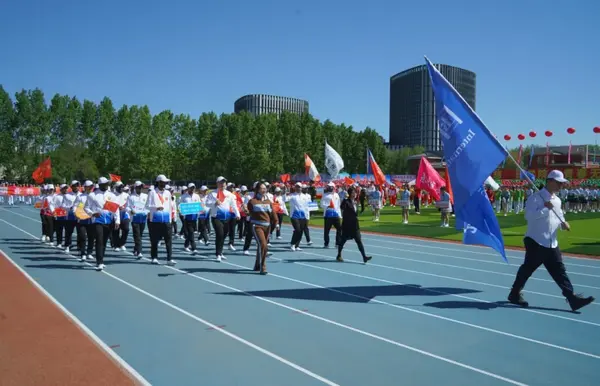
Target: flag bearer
136,207
85,235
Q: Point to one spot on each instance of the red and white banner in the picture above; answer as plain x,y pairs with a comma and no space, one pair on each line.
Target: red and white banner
14,190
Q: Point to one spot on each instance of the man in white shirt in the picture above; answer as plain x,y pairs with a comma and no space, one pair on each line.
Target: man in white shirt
160,217
103,216
332,215
222,208
544,217
136,207
189,220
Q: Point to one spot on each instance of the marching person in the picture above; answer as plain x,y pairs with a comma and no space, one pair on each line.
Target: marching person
330,203
544,217
160,205
299,215
48,208
262,215
280,210
203,217
222,207
190,220
350,226
85,237
96,206
119,235
136,207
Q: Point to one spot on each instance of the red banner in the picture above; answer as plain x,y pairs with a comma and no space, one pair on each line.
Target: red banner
14,190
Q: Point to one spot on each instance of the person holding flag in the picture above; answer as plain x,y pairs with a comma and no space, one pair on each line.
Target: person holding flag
85,236
160,205
222,204
190,220
330,203
545,217
136,207
102,207
48,208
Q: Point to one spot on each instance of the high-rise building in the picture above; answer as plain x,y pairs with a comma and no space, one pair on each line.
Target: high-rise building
412,107
258,104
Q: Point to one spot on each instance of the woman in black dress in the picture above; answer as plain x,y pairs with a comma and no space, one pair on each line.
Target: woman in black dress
350,228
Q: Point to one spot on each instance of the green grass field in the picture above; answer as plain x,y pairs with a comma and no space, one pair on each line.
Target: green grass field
584,237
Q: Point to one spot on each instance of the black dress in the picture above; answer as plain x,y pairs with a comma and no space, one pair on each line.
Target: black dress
350,229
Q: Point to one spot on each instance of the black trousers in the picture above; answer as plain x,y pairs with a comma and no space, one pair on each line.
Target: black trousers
240,227
280,222
300,226
189,227
221,229
43,224
231,230
90,232
138,231
70,226
417,204
119,236
102,234
159,231
536,255
82,238
306,232
248,236
337,224
49,221
203,224
59,229
182,231
357,239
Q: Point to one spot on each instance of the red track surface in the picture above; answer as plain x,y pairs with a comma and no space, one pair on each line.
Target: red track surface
40,345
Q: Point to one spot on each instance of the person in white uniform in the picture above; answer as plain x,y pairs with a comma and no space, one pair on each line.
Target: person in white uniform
545,217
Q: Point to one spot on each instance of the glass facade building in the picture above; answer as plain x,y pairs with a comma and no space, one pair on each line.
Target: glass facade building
412,107
257,104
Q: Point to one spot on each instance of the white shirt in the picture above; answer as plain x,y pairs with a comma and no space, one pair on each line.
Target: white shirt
226,208
298,206
136,201
328,211
543,223
95,204
159,199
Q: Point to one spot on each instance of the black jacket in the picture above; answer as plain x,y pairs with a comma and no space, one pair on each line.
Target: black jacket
350,227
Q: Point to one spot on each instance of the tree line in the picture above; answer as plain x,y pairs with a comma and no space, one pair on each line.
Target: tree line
86,139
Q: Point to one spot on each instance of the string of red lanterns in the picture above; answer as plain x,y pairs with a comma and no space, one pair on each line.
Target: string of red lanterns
547,133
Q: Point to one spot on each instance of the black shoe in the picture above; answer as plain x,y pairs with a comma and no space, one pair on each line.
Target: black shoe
577,301
367,258
517,299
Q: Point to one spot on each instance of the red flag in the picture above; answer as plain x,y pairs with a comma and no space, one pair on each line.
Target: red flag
111,206
114,177
43,171
220,195
449,186
348,181
429,179
285,178
374,168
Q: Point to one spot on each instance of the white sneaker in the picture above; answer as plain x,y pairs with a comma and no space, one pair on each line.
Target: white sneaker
298,249
231,247
269,245
293,247
309,243
90,257
247,253
223,257
187,249
123,248
83,258
140,256
117,249
154,261
218,259
171,262
278,237
67,250
99,267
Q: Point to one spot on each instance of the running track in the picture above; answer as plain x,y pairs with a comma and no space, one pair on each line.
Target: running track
420,313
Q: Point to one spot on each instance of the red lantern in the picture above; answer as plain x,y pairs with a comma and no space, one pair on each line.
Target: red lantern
597,129
532,134
507,137
570,130
548,133
521,137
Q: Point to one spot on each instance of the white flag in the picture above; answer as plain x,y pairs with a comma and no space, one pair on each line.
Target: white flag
490,181
311,169
333,161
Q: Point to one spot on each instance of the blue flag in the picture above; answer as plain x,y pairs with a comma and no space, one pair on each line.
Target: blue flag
531,152
472,154
480,224
525,174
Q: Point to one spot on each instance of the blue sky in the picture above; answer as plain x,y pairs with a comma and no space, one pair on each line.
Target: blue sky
537,62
